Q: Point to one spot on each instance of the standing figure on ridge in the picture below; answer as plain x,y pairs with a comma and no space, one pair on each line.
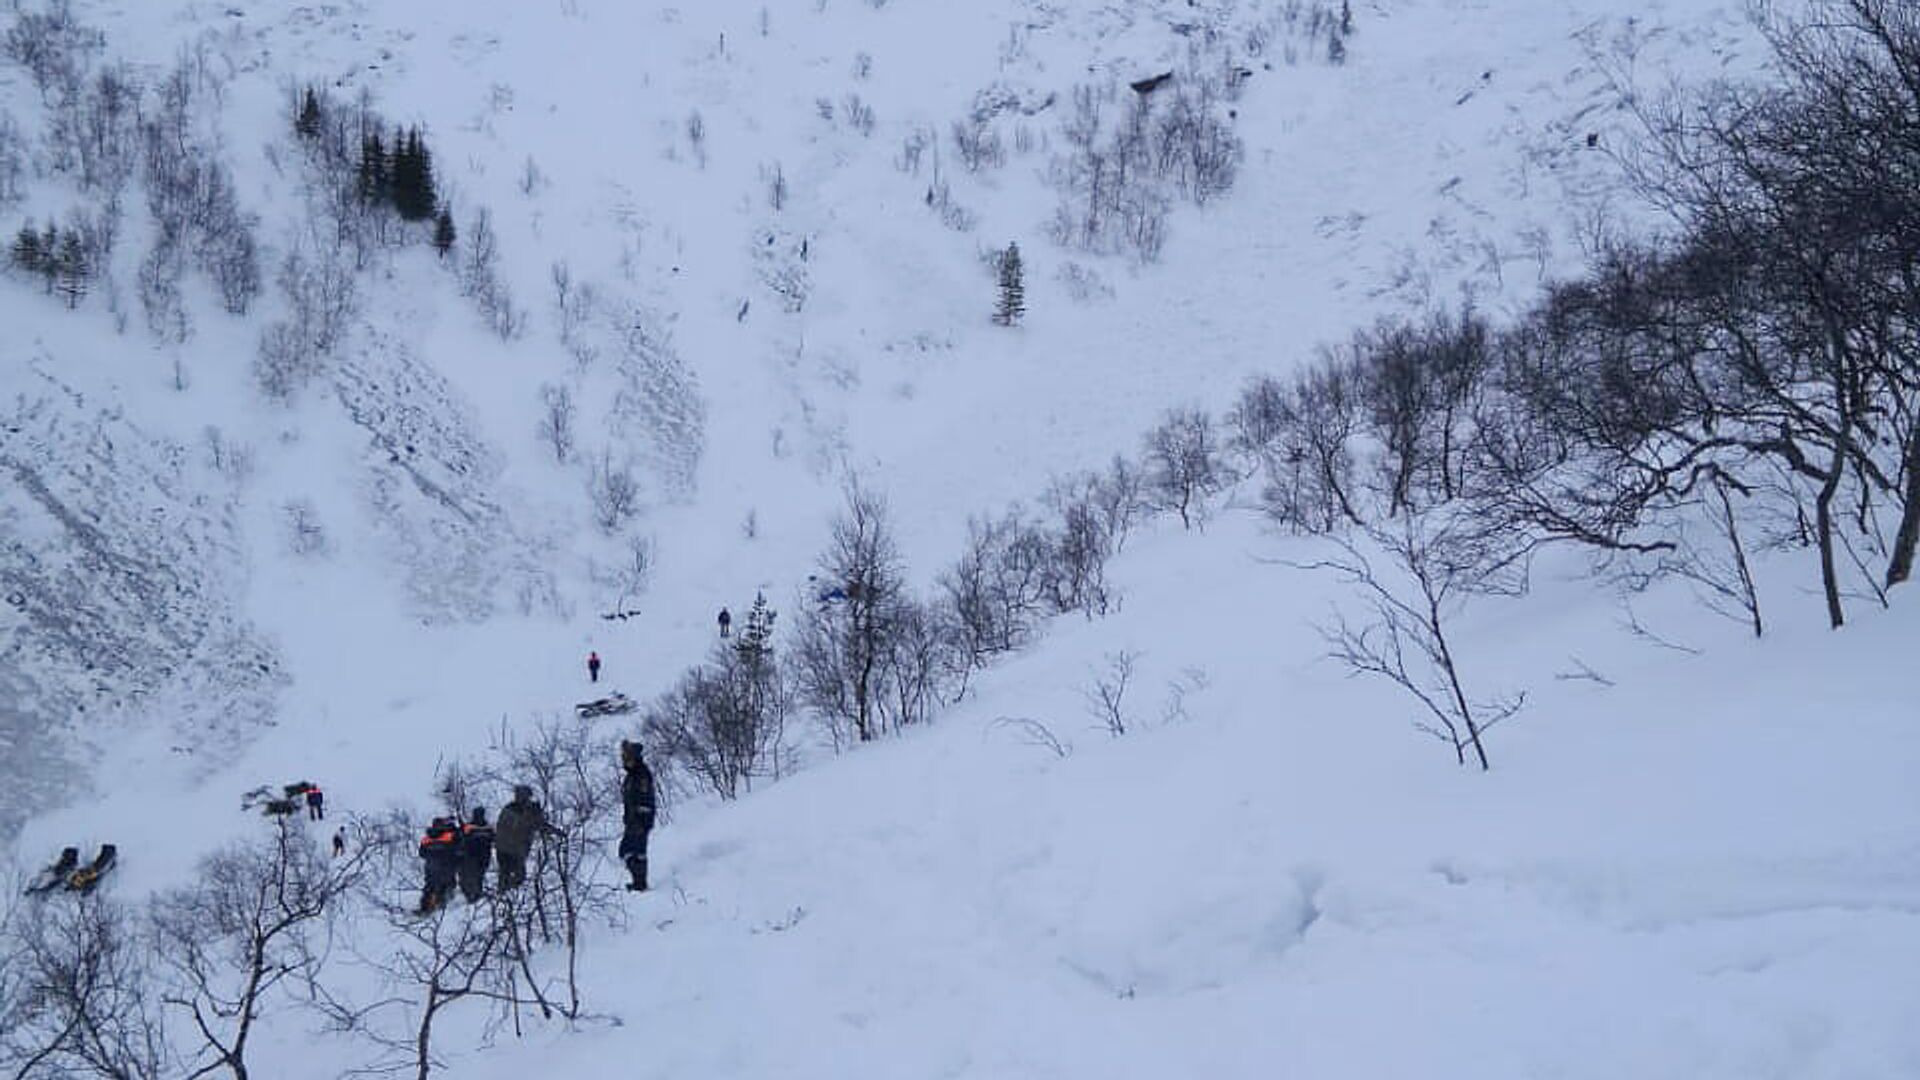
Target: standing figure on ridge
637,806
593,667
726,622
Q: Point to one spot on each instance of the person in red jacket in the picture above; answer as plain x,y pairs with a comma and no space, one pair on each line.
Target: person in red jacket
593,667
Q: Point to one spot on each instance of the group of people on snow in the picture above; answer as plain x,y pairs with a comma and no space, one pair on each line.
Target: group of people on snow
459,853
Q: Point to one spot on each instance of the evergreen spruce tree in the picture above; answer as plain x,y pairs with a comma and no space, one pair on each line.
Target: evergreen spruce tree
375,177
306,123
758,690
413,194
27,254
756,640
50,256
1013,288
443,232
71,268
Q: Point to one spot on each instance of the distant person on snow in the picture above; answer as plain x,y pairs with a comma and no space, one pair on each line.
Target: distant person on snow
339,841
637,806
593,667
518,823
476,854
316,805
726,622
440,850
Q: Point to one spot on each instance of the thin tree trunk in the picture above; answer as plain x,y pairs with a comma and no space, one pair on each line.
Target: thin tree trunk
1900,566
1740,558
1823,531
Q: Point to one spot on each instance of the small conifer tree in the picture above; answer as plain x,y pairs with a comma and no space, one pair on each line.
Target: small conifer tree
375,177
413,194
27,254
1013,288
443,232
306,123
72,268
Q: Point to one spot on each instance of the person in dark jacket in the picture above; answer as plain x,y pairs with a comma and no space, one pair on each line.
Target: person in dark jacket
593,667
514,830
440,850
476,854
637,805
316,804
726,622
339,841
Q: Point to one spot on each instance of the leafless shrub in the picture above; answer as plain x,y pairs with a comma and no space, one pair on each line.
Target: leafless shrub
1106,695
867,658
1182,464
76,993
556,420
723,725
258,916
776,181
1034,733
615,492
1002,585
1436,564
857,114
697,137
977,141
306,537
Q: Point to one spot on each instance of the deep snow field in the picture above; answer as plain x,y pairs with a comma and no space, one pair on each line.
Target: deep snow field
1705,866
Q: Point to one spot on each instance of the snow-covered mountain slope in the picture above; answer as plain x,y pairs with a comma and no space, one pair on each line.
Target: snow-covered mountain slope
1701,870
740,355
1704,869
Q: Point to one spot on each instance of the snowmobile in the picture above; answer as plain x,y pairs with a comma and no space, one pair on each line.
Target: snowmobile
86,878
55,874
613,704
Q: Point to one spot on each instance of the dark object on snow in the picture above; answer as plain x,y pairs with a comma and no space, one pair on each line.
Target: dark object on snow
316,804
610,705
476,854
296,789
55,874
279,807
623,615
593,667
339,841
1152,83
637,806
519,822
440,850
1593,138
87,878
726,622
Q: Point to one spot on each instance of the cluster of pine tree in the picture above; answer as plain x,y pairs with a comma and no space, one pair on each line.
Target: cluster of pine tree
59,257
396,174
400,176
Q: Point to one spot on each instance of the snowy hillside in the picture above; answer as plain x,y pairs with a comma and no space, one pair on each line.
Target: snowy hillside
287,493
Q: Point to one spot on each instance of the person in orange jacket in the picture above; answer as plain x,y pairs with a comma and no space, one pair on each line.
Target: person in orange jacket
440,850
